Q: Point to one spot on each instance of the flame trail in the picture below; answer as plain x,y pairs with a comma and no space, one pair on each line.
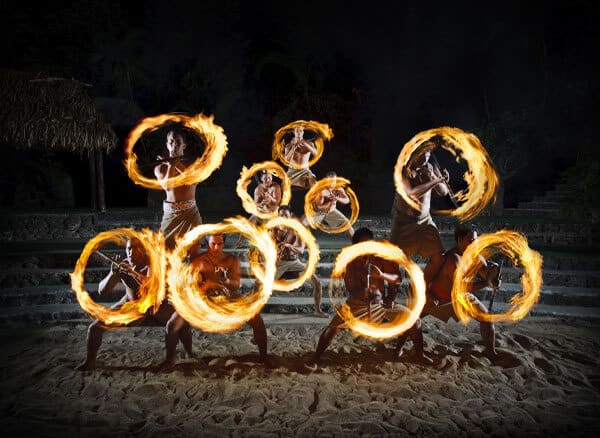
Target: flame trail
324,131
313,194
244,180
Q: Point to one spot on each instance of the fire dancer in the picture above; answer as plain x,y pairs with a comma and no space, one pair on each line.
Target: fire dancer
439,300
267,196
299,151
414,230
180,212
220,274
365,279
289,249
129,272
326,206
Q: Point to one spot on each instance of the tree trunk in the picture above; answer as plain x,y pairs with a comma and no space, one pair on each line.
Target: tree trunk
93,180
100,180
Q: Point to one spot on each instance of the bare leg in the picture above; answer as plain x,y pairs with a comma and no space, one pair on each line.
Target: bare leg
318,295
172,330
260,337
185,336
350,232
325,339
488,333
94,340
416,335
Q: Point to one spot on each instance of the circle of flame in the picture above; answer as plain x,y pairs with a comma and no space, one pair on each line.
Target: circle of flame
151,292
315,191
326,133
404,320
245,177
311,247
221,314
514,245
199,170
481,176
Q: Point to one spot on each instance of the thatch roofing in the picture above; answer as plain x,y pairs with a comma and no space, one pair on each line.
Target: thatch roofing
50,113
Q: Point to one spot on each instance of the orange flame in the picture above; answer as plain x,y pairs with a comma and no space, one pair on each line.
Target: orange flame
514,245
244,180
311,247
220,314
199,170
403,321
151,292
481,177
313,195
326,133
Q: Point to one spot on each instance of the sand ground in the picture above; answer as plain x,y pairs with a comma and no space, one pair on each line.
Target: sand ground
546,383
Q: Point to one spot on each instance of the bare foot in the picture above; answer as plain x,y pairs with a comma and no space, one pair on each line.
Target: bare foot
166,367
491,354
268,362
86,366
423,358
321,314
311,364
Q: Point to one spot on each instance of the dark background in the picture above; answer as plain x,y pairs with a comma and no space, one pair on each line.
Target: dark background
521,75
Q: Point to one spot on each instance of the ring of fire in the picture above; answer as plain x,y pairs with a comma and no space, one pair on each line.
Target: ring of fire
514,245
315,191
311,247
196,172
246,176
222,314
403,321
326,133
151,292
481,177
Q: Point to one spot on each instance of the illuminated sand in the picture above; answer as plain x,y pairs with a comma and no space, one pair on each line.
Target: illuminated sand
547,383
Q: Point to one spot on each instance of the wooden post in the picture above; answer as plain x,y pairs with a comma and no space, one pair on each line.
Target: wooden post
93,181
100,180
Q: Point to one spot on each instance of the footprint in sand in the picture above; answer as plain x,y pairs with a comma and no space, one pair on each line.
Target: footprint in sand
525,341
546,366
579,358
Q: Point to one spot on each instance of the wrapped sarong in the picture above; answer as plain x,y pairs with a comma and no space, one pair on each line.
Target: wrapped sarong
178,219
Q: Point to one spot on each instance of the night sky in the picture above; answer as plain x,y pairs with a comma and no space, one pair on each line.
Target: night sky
521,76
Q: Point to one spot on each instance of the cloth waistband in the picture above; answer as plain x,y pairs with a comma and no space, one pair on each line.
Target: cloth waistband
172,207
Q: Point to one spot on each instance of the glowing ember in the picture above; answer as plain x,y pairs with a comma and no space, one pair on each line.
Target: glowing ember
199,170
311,247
324,133
245,178
151,292
220,314
403,320
481,177
313,195
514,246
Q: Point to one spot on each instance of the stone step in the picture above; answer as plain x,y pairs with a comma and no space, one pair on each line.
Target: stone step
59,294
544,205
554,196
33,277
537,213
302,315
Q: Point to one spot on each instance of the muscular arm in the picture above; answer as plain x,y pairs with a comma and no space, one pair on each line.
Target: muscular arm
341,196
420,189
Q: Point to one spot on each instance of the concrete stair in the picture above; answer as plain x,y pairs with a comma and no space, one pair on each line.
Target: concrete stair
35,283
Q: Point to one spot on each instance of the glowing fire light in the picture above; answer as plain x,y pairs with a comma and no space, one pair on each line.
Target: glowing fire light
311,247
313,195
151,292
244,180
196,172
481,177
402,320
514,246
220,314
324,131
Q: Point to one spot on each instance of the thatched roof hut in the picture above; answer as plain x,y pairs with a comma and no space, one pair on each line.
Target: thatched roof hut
55,114
51,113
